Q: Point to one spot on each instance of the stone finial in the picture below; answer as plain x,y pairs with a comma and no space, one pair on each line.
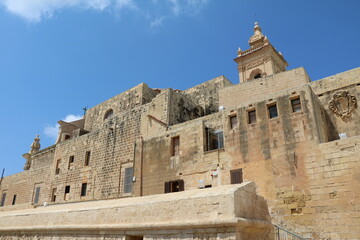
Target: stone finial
258,37
35,146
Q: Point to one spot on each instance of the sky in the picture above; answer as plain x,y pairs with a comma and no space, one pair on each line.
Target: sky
58,56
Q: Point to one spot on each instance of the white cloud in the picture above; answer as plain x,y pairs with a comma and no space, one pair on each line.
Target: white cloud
158,21
156,10
36,10
177,8
52,131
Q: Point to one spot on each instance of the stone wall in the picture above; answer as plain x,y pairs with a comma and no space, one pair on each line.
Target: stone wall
325,90
250,91
207,94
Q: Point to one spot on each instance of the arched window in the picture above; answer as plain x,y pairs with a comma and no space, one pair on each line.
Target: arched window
108,114
256,73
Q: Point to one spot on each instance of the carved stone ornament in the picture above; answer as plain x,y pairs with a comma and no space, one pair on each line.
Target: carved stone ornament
343,104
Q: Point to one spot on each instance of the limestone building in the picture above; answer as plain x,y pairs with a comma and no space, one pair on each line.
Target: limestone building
298,140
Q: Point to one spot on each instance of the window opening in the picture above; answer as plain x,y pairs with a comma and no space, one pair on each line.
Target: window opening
67,191
252,116
175,145
233,122
14,200
257,76
128,180
37,194
87,158
83,189
296,104
236,176
273,113
174,186
215,139
71,161
57,170
3,200
208,186
67,136
53,195
108,114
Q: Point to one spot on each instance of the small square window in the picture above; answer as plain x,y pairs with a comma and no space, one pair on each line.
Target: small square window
236,176
273,113
252,116
296,104
83,189
233,122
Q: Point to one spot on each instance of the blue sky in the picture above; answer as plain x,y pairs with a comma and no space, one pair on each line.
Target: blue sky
57,56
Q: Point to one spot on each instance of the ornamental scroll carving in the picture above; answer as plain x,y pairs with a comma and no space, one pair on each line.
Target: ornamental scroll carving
343,104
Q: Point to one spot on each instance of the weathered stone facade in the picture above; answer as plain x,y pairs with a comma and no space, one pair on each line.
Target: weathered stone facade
297,140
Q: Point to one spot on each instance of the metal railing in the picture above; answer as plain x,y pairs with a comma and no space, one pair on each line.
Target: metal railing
282,234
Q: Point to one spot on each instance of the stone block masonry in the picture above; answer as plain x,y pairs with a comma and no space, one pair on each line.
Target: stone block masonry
219,213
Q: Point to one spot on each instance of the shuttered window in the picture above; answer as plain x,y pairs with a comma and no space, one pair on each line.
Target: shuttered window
37,194
236,176
252,116
233,122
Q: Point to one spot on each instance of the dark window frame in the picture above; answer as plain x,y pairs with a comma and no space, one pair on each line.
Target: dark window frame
214,139
83,189
236,176
296,105
272,111
174,186
233,121
251,116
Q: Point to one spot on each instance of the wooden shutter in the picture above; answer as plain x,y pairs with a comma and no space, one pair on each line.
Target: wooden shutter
236,176
167,187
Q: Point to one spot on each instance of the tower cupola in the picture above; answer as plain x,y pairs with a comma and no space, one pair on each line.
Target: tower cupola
261,59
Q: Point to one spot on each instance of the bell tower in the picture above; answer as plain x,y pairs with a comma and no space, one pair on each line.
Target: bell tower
260,60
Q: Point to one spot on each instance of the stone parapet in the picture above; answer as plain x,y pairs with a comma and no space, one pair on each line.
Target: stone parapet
230,207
